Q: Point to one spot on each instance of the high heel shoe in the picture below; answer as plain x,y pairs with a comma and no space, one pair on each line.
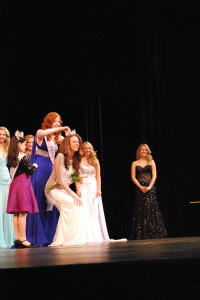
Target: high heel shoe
16,243
21,245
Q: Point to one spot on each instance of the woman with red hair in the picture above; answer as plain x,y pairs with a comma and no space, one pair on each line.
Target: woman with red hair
41,226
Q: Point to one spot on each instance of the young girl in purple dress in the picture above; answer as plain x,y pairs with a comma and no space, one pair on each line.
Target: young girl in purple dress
21,198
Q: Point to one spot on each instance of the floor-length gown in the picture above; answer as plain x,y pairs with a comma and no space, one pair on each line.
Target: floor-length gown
147,218
7,234
41,226
71,224
96,228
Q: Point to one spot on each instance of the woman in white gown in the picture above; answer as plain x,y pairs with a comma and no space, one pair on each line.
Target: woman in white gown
71,225
90,193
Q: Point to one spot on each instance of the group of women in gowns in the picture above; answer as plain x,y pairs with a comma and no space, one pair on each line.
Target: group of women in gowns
68,217
60,220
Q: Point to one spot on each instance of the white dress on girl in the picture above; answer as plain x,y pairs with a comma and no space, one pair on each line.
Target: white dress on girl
71,224
96,229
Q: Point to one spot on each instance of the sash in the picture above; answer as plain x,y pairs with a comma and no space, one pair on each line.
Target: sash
52,148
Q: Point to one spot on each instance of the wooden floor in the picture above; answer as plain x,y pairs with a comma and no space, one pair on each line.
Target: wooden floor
160,269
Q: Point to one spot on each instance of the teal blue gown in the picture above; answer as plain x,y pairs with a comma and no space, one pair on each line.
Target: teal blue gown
7,234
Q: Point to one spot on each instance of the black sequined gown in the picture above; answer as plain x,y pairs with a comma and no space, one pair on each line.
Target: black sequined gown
147,219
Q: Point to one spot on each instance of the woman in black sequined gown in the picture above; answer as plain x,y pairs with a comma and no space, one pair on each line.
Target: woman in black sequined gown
147,219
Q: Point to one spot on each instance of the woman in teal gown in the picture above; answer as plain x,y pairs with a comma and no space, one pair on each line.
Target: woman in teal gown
7,234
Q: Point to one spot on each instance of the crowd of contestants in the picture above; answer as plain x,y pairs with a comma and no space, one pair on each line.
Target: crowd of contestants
40,205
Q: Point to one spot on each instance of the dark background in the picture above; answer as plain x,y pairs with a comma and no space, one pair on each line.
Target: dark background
121,73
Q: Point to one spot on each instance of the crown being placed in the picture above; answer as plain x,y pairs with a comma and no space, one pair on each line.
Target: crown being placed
19,134
71,132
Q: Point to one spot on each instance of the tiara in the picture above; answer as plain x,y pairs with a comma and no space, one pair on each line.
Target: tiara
70,133
19,134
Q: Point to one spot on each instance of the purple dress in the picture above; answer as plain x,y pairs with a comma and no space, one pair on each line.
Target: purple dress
21,196
41,227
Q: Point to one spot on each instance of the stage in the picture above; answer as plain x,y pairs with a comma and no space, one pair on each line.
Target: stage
157,269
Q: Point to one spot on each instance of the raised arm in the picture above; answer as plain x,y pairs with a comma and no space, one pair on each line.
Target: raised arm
41,133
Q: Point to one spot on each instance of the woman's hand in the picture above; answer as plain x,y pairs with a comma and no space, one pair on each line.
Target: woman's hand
77,201
145,189
98,193
78,193
66,129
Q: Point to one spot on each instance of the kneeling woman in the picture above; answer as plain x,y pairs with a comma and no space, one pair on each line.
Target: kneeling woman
70,229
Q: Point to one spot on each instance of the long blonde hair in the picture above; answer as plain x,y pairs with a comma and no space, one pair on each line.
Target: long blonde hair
27,138
149,157
92,159
7,140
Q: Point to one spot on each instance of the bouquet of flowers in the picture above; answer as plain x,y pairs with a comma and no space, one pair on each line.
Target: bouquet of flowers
51,187
77,176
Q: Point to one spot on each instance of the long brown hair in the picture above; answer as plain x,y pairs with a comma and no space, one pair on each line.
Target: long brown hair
7,140
148,157
48,121
64,149
13,151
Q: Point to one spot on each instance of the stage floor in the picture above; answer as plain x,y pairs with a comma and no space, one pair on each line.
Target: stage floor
158,267
187,248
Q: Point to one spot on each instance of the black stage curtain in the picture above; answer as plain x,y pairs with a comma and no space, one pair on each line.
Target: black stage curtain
121,73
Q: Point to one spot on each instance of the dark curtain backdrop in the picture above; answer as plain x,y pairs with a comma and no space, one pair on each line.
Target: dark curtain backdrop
121,73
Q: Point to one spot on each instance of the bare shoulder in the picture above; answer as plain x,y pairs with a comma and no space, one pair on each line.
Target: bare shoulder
39,135
153,162
98,163
60,155
134,163
39,131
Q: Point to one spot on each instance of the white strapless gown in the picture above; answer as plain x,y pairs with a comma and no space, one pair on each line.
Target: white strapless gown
96,229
